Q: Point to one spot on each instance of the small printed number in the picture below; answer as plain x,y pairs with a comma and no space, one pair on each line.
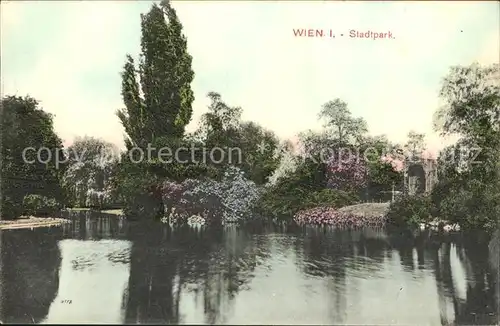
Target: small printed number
66,301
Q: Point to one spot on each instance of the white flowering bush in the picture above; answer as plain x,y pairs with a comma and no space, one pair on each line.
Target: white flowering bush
229,201
288,164
239,196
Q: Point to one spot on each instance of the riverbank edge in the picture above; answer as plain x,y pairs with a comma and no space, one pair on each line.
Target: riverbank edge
367,214
368,211
117,212
31,222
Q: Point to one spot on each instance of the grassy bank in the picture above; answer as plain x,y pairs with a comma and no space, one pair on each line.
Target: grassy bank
366,209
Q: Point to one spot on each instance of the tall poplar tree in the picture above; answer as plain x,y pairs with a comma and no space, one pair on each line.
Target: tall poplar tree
158,95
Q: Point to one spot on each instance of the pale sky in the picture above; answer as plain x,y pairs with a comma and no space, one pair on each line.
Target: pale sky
69,55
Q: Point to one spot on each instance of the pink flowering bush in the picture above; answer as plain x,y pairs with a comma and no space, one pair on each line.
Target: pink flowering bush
347,173
397,164
331,216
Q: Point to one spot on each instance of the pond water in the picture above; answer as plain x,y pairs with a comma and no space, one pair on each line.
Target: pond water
103,270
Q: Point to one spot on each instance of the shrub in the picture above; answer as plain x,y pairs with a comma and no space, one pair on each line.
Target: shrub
139,190
471,204
230,200
290,193
282,203
9,210
38,205
410,211
142,206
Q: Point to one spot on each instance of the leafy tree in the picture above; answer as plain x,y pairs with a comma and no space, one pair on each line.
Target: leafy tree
472,111
220,122
341,124
472,102
158,105
350,167
468,189
246,145
90,167
380,155
410,211
299,189
25,125
219,128
415,146
139,184
136,185
469,193
161,105
382,176
318,144
258,146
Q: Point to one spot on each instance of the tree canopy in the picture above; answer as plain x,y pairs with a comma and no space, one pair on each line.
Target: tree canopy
157,96
26,167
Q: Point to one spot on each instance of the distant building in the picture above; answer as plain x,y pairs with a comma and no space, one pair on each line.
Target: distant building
420,176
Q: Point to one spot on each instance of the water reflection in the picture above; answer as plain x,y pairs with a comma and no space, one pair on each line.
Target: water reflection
30,274
117,272
86,226
92,283
189,276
